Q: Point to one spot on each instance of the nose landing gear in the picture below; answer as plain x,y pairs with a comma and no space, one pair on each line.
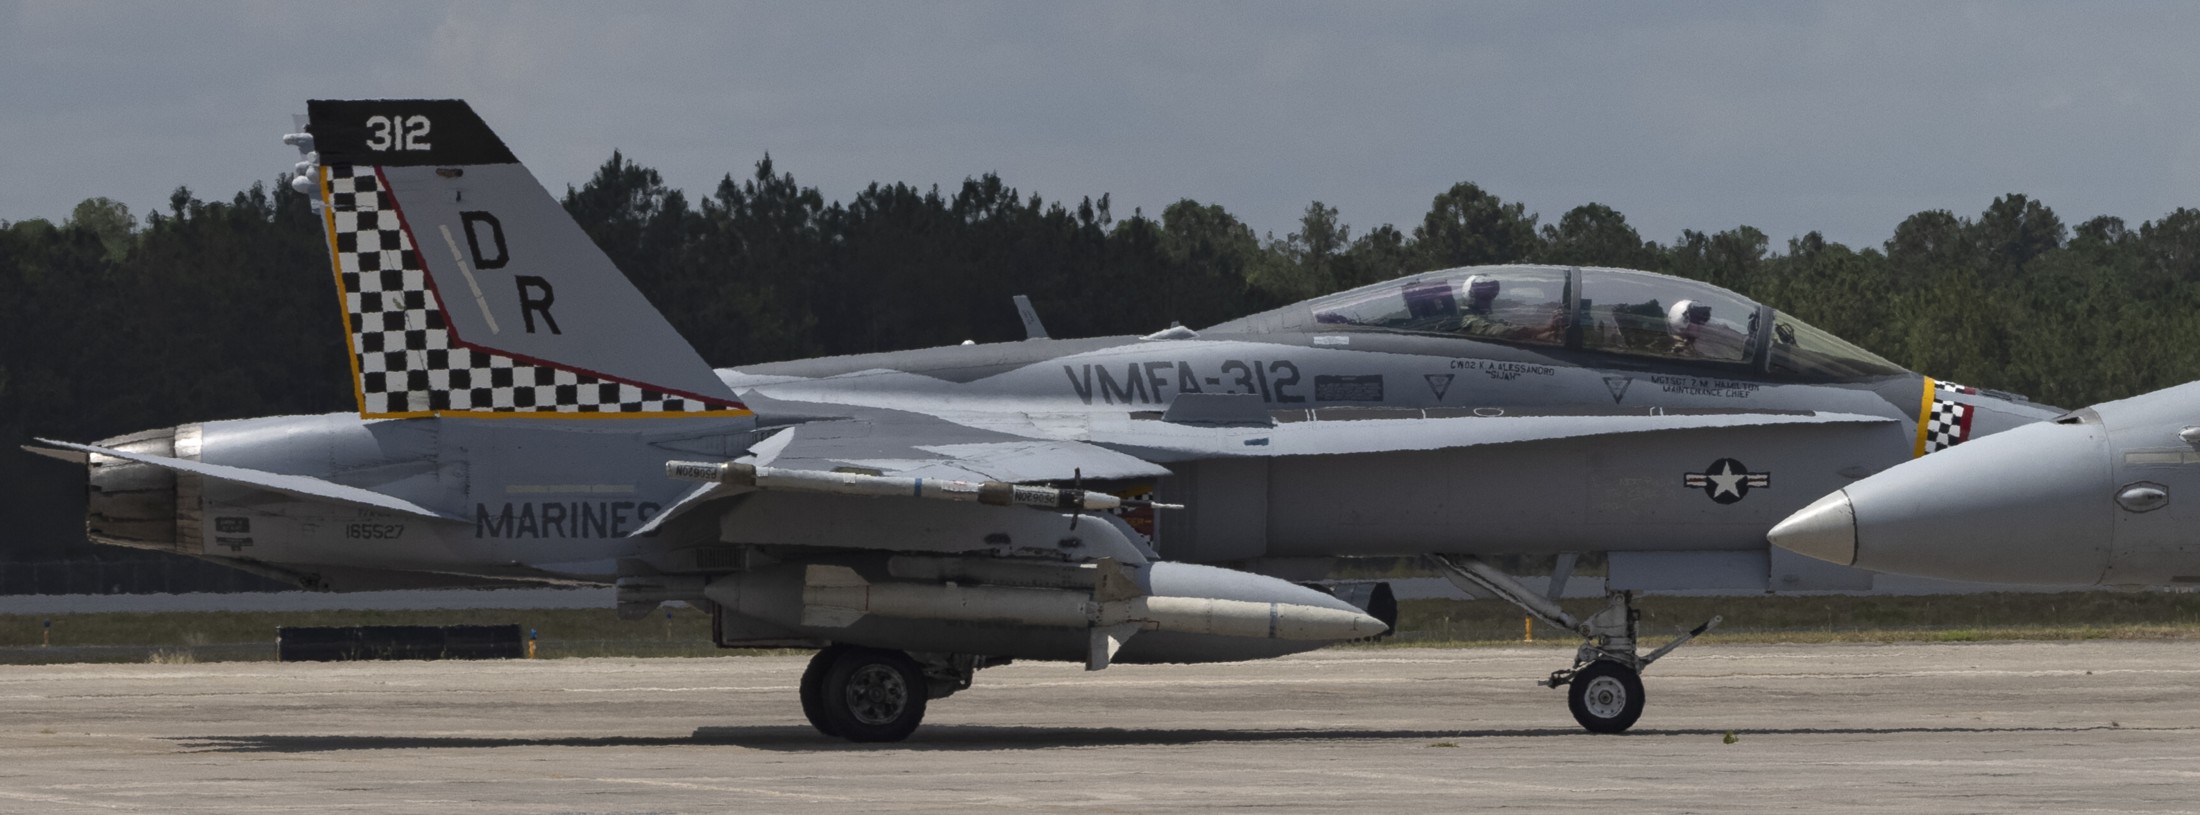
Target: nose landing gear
1604,686
1605,696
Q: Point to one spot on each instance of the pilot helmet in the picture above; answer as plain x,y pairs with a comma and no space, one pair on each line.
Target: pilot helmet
1686,319
1480,291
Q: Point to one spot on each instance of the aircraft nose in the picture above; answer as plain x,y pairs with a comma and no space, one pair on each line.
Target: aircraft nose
2030,505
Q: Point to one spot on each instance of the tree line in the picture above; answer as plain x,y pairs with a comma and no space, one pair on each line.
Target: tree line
226,309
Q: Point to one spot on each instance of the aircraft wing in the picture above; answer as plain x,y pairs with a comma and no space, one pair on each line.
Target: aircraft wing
923,445
1027,448
911,445
1377,430
839,446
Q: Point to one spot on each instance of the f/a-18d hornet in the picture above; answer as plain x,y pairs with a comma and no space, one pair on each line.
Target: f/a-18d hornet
526,417
2102,495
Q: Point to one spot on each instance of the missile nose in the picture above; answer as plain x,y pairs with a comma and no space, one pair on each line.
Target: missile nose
1367,626
1825,530
1315,624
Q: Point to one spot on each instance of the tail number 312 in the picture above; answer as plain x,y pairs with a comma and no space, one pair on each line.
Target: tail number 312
398,133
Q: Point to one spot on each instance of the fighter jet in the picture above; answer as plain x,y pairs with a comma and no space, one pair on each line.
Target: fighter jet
524,416
2101,495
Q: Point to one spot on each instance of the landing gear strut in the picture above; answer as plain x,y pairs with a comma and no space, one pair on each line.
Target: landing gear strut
1604,685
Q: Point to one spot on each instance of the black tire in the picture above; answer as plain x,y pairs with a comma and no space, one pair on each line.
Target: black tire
873,695
1606,697
813,688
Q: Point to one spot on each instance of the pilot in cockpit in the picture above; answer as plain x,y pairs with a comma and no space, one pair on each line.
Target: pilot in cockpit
1684,322
1479,318
1695,335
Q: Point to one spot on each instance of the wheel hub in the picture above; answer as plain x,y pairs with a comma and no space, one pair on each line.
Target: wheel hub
877,695
1605,697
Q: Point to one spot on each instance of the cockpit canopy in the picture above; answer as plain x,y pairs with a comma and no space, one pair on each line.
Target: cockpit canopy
1611,311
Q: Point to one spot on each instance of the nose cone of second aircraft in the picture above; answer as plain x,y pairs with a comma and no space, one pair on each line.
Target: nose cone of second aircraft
2025,506
1825,530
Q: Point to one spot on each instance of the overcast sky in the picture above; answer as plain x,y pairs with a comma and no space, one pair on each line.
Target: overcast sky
1842,117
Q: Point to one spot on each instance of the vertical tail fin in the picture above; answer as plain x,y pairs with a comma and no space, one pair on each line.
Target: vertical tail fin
468,291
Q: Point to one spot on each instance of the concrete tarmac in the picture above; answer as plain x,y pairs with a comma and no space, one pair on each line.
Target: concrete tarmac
1999,727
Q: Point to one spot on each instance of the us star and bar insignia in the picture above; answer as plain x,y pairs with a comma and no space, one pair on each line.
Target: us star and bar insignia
1727,481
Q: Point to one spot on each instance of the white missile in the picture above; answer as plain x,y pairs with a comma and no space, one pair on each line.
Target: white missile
1210,614
997,493
836,596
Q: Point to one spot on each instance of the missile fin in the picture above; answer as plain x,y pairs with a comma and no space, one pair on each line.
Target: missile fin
830,616
1112,583
833,596
1106,640
827,576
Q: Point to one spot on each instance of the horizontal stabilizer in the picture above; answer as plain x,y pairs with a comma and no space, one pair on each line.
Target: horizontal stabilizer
296,485
70,456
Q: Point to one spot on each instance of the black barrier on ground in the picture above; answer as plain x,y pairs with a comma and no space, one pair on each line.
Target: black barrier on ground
358,642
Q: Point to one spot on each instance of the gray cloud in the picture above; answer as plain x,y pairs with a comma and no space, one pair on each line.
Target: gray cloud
1839,117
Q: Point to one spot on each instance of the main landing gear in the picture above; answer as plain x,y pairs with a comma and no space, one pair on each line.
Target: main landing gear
1604,686
874,695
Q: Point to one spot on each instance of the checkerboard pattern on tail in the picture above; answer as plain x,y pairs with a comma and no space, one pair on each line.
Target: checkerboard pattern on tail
409,364
1947,425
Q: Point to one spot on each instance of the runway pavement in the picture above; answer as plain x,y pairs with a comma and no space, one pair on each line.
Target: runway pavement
2061,727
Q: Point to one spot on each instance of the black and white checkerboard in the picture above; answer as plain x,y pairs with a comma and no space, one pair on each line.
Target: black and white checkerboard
1947,425
408,363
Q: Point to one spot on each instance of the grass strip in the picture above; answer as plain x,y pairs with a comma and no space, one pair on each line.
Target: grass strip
685,632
